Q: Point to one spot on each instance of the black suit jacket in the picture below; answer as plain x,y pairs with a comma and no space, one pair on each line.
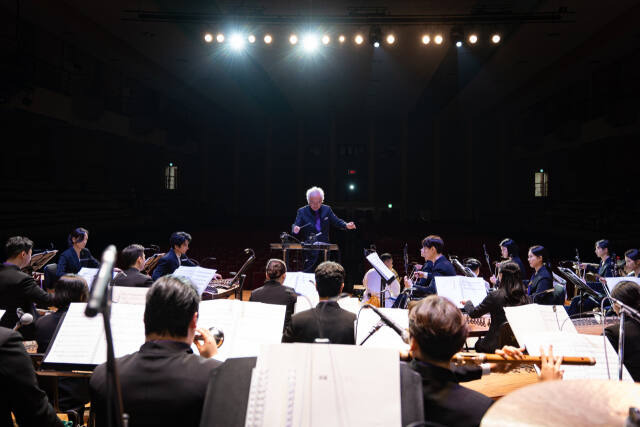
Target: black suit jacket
68,262
307,217
272,292
163,384
169,263
20,393
441,267
541,281
631,345
132,277
445,401
326,320
18,289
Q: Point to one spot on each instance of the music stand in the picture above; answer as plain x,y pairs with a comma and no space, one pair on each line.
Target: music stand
578,283
40,260
386,276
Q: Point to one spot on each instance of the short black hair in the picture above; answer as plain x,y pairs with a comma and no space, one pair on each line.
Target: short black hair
171,304
633,254
438,327
385,256
472,263
603,244
628,292
275,268
329,279
130,254
541,251
433,241
510,244
78,234
178,238
16,244
70,288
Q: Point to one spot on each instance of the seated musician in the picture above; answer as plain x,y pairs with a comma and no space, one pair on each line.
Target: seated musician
327,321
18,289
632,262
474,265
606,268
273,291
163,383
436,264
133,260
20,393
511,292
77,255
510,252
628,293
542,279
179,243
73,392
372,281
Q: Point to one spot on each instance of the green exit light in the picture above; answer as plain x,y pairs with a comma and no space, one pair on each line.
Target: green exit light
390,205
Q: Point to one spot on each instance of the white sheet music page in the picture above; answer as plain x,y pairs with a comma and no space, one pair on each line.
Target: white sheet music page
461,288
2,312
304,284
612,282
200,277
578,345
534,318
350,304
380,266
78,338
385,337
129,295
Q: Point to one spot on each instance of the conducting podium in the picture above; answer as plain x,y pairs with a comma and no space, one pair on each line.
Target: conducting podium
287,247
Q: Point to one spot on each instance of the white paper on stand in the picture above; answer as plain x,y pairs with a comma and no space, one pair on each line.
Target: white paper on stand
303,284
89,274
535,318
129,295
380,266
385,337
612,282
461,288
200,277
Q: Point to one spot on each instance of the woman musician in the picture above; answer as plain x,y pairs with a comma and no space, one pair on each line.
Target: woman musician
632,262
510,252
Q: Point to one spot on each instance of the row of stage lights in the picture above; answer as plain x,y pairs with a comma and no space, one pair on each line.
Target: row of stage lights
310,42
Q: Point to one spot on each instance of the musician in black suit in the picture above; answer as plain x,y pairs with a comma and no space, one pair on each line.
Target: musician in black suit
77,255
73,392
274,292
179,243
20,393
133,259
436,264
314,222
327,320
511,292
437,331
163,383
510,252
628,293
542,279
18,289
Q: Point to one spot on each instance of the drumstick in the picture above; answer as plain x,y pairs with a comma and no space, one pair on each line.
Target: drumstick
496,358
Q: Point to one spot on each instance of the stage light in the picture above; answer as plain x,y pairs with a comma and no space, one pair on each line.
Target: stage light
220,38
438,39
268,39
208,38
376,44
352,187
293,39
236,41
390,205
359,39
495,38
391,39
310,42
325,39
426,39
342,38
473,38
251,38
458,44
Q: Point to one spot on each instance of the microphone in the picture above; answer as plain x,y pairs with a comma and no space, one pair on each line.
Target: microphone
390,323
629,310
548,291
100,282
23,319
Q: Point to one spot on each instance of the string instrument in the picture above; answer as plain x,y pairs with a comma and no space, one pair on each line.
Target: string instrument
486,257
465,271
151,263
479,358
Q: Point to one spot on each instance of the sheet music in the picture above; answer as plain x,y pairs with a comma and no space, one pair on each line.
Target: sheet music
129,295
575,345
385,337
535,318
380,266
89,274
461,288
2,312
304,284
200,277
351,304
613,281
246,325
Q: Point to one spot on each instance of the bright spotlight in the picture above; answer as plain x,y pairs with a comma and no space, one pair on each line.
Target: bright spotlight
268,39
473,39
236,41
438,39
220,38
458,44
359,39
376,44
352,187
251,38
341,39
310,42
495,38
293,39
325,39
391,39
208,38
426,39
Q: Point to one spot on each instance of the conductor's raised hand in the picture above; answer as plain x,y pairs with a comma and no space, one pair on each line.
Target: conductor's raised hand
205,342
296,229
351,226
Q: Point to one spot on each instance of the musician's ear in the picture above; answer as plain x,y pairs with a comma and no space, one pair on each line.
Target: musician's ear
413,346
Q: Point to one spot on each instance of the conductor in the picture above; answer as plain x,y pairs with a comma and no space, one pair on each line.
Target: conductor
313,223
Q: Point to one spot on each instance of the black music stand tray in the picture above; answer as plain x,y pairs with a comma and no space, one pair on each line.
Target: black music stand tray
41,259
225,403
581,286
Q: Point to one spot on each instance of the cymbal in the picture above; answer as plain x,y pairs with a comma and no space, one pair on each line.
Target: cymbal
570,403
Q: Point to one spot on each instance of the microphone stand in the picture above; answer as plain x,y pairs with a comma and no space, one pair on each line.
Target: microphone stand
625,310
